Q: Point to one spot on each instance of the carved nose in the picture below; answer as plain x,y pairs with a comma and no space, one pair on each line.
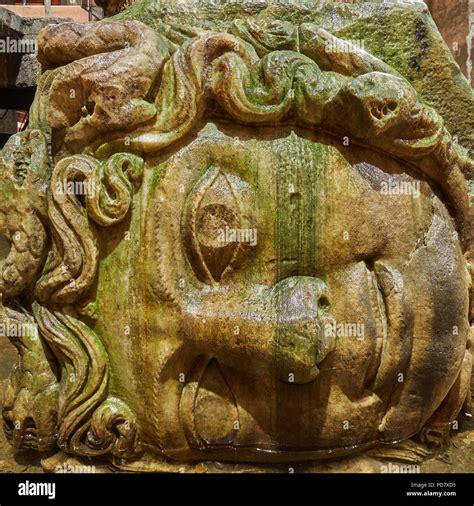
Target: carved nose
302,293
277,330
302,307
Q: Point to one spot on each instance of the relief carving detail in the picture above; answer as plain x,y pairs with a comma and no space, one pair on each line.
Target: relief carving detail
233,245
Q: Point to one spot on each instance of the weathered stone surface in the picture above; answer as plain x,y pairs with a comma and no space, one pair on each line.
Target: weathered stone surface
235,235
402,35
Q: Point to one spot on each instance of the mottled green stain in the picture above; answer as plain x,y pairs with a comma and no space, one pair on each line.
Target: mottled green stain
298,187
403,36
390,37
158,173
7,189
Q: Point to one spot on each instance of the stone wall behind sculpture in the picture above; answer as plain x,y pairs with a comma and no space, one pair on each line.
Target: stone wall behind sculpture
455,21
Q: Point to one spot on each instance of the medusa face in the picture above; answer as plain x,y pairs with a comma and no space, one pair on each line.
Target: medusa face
299,300
229,288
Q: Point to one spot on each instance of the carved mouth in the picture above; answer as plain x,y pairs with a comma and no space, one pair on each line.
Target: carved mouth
394,330
29,435
380,317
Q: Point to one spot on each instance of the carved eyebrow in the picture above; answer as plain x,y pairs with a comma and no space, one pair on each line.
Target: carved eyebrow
376,176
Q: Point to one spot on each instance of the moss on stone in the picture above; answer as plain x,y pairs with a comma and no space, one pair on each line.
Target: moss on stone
404,36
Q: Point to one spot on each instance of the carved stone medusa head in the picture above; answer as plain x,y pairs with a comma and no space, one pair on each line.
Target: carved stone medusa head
246,240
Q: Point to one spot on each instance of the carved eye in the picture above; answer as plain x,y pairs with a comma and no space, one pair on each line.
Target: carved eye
211,214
